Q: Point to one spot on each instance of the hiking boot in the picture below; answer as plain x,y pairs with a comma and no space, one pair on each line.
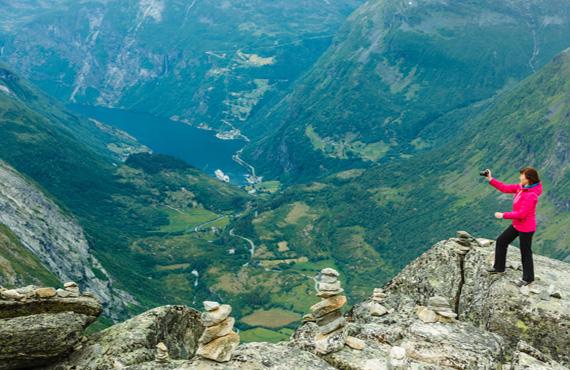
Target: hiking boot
522,283
494,271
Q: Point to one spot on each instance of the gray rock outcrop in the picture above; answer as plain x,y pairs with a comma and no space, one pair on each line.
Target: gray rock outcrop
492,302
441,312
134,341
38,328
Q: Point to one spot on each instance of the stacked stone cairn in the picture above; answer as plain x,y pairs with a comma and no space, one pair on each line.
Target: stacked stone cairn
162,356
376,307
218,341
70,290
327,313
464,242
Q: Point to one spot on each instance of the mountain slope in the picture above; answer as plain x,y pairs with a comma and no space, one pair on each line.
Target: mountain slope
399,76
369,223
140,219
208,63
18,266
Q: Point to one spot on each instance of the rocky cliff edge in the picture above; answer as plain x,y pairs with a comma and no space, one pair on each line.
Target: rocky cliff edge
443,311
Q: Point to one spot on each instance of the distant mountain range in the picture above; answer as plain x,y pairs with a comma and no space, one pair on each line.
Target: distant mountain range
402,77
208,63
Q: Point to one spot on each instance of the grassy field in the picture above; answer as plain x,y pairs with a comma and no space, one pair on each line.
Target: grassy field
183,220
272,318
269,187
265,335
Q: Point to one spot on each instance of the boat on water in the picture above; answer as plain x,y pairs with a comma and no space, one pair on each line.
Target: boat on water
220,175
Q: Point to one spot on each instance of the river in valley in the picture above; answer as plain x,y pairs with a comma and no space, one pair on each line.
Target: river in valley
199,148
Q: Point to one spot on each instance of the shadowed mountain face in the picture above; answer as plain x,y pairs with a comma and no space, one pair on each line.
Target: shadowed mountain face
208,63
401,77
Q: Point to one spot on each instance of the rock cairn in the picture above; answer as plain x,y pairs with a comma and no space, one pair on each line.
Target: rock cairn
465,242
70,290
162,355
327,313
438,309
218,341
376,306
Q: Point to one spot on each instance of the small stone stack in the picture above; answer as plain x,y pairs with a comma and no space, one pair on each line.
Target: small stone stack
327,313
465,242
438,310
218,341
440,306
70,290
376,306
162,355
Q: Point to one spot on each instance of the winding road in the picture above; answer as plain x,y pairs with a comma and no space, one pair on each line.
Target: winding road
249,241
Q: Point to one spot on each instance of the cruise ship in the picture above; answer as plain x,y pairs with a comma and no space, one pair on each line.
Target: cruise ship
222,176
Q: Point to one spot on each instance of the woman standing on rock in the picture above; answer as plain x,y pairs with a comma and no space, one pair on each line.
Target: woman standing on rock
523,218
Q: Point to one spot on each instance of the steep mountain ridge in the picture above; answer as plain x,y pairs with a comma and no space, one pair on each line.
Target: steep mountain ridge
54,238
18,266
400,68
207,63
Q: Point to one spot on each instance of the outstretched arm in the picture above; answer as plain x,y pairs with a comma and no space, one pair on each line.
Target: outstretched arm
504,188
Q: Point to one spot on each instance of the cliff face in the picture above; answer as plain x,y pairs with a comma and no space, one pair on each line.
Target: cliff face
53,237
443,311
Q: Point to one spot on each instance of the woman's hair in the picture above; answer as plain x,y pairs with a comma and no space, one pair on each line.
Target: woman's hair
531,174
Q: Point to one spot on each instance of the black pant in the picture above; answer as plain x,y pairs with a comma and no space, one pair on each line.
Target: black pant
502,244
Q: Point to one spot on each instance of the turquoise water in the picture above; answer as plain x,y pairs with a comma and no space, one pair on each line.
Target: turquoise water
199,148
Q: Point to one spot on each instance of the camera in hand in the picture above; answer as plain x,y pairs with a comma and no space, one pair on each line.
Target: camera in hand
484,173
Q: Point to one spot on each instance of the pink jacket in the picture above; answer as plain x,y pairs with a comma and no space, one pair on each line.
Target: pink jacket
524,204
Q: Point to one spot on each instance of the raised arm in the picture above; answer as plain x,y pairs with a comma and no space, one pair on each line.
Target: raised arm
504,188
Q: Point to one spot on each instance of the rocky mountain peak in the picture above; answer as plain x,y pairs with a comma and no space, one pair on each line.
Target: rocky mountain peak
442,311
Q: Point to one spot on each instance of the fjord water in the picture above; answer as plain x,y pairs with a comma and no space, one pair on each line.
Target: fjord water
199,148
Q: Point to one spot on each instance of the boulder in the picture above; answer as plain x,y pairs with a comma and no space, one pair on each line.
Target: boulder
488,301
134,341
39,340
376,309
